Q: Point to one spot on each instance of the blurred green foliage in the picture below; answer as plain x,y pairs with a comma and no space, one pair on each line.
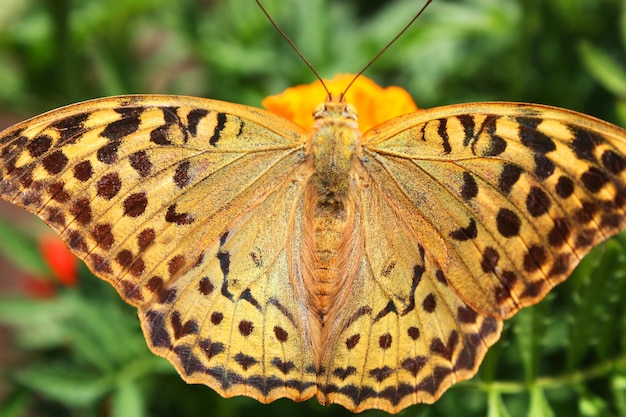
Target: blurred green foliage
86,355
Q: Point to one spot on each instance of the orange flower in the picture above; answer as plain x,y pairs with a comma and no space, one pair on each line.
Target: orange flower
62,263
373,103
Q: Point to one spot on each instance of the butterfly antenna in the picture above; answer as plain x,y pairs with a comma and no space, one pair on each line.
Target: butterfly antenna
382,51
293,45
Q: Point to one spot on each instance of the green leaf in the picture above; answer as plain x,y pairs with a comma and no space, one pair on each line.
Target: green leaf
64,384
539,406
22,251
128,400
488,369
588,280
618,388
98,322
15,404
37,324
610,308
623,23
592,405
606,70
529,329
620,109
10,9
495,405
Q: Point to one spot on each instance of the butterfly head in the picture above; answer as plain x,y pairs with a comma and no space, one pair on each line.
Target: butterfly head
335,108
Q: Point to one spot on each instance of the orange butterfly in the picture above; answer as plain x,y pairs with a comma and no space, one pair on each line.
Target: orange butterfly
368,269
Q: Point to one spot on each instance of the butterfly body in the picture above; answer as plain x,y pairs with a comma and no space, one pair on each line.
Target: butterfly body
371,270
329,215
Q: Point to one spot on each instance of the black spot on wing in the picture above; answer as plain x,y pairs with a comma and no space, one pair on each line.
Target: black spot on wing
389,308
442,130
39,145
159,336
584,143
172,216
129,123
508,177
496,146
537,202
564,187
70,128
418,271
193,119
247,295
529,122
224,259
469,189
469,125
544,167
613,162
594,179
465,233
219,126
533,139
170,114
191,364
508,223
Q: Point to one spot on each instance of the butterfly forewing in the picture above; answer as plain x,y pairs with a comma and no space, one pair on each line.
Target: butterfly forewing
514,194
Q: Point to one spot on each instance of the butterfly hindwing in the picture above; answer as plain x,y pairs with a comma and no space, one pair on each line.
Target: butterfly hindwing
231,322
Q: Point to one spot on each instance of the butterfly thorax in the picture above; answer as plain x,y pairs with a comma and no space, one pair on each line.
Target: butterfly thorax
329,211
334,140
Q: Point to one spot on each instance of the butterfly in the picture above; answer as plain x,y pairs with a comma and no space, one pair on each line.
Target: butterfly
371,270
369,267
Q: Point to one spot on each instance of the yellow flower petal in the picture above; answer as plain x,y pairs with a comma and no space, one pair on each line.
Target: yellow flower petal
374,104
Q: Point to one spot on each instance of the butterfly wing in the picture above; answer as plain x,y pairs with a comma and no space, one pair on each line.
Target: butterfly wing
468,213
193,210
156,194
514,194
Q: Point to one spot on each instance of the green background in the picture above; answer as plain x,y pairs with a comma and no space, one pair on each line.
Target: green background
81,353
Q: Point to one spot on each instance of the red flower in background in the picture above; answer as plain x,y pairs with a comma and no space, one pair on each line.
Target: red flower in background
62,264
40,288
